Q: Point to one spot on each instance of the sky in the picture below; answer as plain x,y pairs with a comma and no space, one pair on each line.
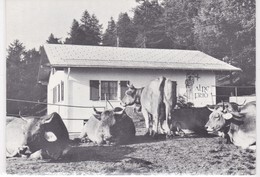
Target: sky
32,21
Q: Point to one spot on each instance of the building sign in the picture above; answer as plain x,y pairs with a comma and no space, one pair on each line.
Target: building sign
201,91
195,88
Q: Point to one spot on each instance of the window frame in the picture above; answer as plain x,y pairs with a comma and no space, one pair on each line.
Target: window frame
118,91
110,94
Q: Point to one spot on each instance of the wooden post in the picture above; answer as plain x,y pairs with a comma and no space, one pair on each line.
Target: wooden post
106,99
236,93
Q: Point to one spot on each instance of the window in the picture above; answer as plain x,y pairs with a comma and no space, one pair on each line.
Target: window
58,93
123,87
102,90
109,90
62,91
94,90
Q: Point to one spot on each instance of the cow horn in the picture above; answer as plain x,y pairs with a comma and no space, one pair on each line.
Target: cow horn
23,118
242,103
96,111
209,108
49,119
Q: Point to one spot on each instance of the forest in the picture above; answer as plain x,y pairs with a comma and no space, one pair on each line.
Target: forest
224,29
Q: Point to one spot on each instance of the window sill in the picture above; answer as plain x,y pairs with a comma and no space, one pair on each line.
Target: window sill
107,100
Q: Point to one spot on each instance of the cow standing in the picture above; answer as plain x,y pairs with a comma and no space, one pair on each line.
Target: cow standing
47,134
241,123
113,126
157,100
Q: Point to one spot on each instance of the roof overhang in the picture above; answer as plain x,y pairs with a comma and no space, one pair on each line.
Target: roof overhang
162,66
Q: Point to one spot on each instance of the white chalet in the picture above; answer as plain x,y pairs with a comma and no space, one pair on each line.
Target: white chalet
86,76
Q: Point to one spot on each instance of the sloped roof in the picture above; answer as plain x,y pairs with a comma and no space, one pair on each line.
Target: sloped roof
119,57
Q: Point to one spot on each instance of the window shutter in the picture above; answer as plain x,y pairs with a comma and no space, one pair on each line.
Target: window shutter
54,94
62,90
94,90
123,86
59,93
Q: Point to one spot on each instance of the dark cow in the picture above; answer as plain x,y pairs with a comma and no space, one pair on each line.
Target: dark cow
109,126
241,123
157,100
192,120
31,134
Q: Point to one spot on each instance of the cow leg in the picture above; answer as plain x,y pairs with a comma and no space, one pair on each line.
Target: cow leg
147,119
37,155
155,125
168,120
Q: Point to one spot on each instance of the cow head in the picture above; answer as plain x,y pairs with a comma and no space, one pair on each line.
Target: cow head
221,114
48,133
130,97
108,119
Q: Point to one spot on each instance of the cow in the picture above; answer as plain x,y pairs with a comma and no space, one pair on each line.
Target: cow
109,126
241,123
157,100
192,120
29,135
226,107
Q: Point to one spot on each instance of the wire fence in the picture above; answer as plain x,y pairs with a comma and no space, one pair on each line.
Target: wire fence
223,93
54,104
84,120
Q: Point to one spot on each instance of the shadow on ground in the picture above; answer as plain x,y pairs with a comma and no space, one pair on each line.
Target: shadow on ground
95,153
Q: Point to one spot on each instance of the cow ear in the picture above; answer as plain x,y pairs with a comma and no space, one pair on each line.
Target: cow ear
130,86
118,111
97,116
50,136
227,116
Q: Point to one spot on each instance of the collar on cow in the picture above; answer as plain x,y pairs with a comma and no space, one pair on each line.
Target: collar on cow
225,128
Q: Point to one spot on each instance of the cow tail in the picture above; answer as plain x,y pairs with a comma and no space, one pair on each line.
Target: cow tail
161,103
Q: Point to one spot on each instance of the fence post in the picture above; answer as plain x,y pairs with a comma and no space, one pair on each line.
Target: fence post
106,99
236,93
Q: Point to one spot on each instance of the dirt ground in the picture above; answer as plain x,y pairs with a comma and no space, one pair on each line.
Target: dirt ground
180,155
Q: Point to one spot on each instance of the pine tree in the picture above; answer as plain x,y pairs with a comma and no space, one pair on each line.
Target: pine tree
110,35
16,52
178,22
146,15
91,28
76,35
126,31
226,29
21,77
53,40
